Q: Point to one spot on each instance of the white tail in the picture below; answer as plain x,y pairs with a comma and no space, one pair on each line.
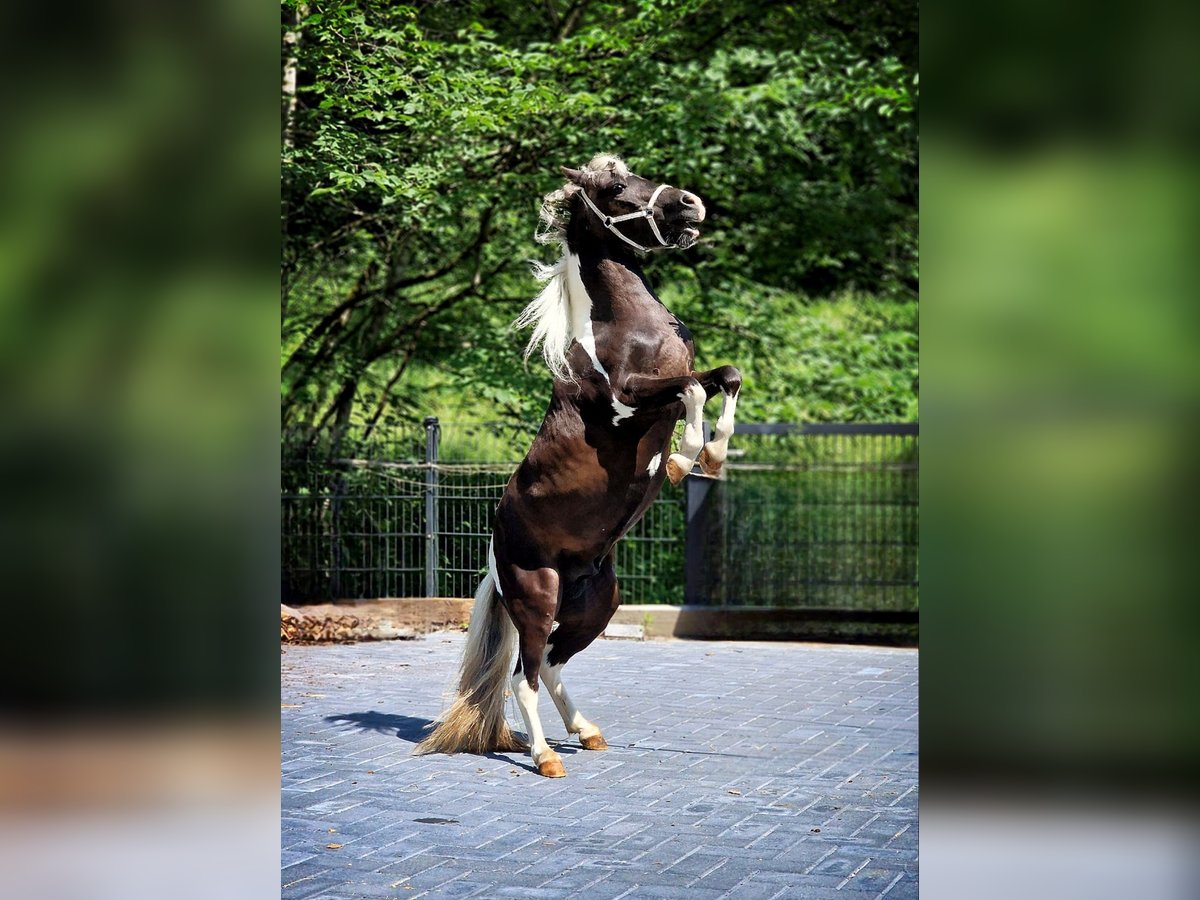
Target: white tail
475,721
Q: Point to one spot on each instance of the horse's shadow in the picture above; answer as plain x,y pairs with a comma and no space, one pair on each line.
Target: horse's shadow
414,728
407,728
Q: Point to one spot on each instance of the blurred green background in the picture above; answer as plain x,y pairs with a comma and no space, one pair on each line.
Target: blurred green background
1061,303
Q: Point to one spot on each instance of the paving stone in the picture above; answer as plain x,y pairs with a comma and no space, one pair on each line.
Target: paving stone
904,889
725,756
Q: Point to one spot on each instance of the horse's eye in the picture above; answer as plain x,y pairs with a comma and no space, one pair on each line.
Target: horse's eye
617,189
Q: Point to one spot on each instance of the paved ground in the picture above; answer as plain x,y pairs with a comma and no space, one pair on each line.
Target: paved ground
736,770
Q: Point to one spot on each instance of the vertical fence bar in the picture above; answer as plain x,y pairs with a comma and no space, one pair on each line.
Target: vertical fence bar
337,493
696,492
433,434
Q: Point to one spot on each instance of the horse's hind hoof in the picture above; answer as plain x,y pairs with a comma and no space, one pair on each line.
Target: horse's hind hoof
595,742
552,768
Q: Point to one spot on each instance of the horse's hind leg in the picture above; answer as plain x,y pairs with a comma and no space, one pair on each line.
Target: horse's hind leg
584,618
575,721
533,614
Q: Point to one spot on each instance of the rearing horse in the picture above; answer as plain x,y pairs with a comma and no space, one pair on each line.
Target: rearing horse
623,377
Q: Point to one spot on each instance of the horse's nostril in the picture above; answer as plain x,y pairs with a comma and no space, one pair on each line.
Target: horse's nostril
689,199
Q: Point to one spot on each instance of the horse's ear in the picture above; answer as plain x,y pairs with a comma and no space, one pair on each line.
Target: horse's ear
575,176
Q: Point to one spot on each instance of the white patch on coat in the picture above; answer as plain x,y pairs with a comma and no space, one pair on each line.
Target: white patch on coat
587,340
527,702
655,461
622,411
581,326
492,567
581,311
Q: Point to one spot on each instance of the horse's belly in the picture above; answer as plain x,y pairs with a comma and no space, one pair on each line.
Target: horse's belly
574,498
583,523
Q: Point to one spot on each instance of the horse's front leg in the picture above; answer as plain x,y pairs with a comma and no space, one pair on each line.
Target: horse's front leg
648,391
691,442
728,381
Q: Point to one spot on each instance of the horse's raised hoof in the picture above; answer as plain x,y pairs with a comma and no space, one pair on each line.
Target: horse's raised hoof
675,472
595,742
552,768
708,465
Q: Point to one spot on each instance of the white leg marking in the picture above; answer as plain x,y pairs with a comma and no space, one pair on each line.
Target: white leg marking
693,427
492,568
572,718
527,701
718,447
655,461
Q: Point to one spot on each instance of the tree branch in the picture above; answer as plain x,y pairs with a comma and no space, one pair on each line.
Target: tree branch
385,394
570,21
361,293
415,324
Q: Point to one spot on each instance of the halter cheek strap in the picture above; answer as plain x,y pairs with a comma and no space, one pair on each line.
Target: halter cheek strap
646,212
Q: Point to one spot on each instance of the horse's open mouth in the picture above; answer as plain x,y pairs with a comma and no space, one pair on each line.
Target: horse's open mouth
687,237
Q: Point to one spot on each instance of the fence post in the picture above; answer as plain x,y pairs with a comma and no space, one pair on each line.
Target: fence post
696,504
433,433
337,495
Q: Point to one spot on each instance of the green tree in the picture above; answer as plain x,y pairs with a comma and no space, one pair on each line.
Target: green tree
418,141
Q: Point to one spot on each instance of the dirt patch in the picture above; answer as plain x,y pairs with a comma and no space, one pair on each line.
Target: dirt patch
371,620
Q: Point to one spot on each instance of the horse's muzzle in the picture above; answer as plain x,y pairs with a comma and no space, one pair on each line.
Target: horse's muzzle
693,207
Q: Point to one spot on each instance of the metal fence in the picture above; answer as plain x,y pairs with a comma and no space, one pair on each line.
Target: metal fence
410,514
815,516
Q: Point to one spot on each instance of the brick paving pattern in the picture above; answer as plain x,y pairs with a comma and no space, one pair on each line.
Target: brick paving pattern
741,770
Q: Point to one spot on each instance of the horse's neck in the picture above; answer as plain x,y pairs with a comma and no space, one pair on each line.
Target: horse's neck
605,287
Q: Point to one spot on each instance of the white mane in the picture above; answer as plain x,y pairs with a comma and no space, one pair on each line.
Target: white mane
550,315
550,312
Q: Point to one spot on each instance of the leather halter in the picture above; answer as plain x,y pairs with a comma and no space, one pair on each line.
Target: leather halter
646,212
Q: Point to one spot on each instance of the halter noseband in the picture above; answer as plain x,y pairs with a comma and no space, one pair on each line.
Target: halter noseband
646,212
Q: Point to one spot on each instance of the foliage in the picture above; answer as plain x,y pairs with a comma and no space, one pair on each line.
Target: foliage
422,138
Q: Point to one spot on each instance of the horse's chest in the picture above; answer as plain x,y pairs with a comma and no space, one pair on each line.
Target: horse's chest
660,353
613,356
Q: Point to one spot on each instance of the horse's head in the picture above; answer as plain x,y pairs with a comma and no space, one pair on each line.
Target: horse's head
634,210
